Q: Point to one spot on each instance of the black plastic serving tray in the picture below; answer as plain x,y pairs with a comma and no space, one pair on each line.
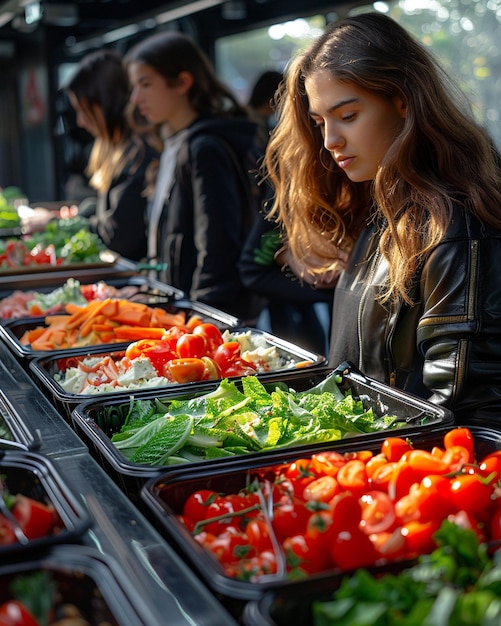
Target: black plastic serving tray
14,432
35,476
165,496
89,582
90,273
89,420
11,331
46,367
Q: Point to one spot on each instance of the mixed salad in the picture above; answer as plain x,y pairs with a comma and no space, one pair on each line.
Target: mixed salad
206,353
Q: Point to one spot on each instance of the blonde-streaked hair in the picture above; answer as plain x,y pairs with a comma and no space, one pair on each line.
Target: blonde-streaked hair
441,155
101,83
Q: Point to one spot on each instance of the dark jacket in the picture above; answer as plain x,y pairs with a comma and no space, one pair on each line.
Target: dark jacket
447,347
260,271
120,217
209,212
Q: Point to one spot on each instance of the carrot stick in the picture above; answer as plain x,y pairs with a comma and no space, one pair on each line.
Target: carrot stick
135,333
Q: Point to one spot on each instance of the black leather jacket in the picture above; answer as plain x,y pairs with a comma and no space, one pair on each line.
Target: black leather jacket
447,347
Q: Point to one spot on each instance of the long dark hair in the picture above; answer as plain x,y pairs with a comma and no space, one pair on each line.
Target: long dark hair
170,53
102,80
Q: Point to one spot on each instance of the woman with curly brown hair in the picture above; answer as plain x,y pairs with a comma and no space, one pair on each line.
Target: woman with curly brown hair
387,188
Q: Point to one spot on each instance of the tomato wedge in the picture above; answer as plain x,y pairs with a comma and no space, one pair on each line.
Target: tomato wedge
378,512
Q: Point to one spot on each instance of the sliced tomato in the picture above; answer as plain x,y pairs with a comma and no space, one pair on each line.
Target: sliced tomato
158,351
187,370
394,448
461,436
321,489
378,512
353,477
327,463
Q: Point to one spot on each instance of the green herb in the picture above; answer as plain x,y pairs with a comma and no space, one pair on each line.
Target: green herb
458,584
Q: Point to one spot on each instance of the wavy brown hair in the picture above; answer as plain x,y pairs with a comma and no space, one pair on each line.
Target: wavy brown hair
441,155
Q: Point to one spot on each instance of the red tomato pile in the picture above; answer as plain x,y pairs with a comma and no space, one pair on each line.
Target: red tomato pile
349,510
202,354
36,520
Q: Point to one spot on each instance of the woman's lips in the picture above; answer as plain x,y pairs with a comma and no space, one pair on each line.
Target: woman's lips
343,162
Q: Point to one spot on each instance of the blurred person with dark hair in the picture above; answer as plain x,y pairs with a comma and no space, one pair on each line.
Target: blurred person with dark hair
119,159
203,204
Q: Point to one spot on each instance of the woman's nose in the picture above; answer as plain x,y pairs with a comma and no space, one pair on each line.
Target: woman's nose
332,137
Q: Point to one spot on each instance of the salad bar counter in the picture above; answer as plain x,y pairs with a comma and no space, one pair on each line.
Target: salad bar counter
162,465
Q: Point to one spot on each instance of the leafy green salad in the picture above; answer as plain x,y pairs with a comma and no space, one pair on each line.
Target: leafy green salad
230,421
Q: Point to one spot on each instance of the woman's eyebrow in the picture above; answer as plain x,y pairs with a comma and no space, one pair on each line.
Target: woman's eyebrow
336,106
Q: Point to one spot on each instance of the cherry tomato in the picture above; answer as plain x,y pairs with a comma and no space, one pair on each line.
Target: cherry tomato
239,367
378,512
353,477
491,464
321,489
377,461
212,335
319,527
157,351
461,436
433,498
401,480
419,536
222,507
230,546
425,462
382,476
185,370
35,518
471,493
456,457
346,511
304,553
191,345
197,503
301,472
258,534
389,545
327,462
290,517
394,448
14,613
407,507
361,455
351,548
226,352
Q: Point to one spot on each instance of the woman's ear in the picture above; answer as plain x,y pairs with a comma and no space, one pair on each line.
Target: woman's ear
184,82
401,106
